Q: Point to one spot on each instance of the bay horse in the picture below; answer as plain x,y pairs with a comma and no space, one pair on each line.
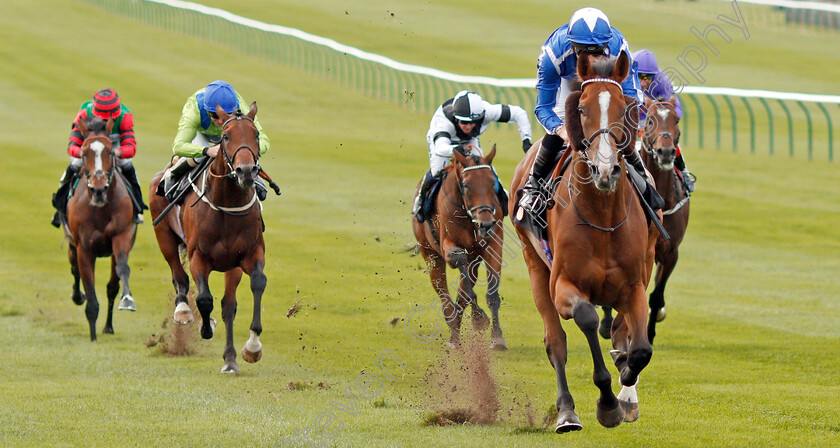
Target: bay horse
220,224
464,229
599,242
659,150
99,224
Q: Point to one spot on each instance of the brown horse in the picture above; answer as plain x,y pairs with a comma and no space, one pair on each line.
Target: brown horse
99,224
659,145
601,246
222,231
464,229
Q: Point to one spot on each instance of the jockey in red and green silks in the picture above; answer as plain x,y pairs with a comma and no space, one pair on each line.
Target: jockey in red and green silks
199,137
105,105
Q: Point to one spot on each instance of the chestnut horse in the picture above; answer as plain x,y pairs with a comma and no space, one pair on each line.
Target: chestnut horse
465,228
99,224
662,134
222,231
600,243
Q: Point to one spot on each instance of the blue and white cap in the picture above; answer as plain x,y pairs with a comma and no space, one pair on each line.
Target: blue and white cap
468,106
589,26
221,93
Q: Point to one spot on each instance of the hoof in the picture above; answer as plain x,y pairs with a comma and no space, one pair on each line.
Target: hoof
567,421
251,357
127,304
208,329
453,344
660,316
79,298
183,314
610,417
230,367
480,320
498,343
631,410
108,330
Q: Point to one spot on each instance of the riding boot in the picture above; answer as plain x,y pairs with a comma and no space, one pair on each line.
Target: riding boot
651,196
60,197
501,193
174,174
418,209
687,177
131,176
260,188
534,195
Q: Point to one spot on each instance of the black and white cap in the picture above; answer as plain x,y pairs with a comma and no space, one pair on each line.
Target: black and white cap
468,106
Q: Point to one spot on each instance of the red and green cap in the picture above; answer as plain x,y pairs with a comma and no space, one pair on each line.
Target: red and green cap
106,104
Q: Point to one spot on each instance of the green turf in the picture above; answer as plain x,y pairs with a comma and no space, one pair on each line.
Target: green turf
747,356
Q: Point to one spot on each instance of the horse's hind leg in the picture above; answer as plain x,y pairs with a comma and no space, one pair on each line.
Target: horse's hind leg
656,301
87,263
252,351
232,279
78,296
112,290
169,242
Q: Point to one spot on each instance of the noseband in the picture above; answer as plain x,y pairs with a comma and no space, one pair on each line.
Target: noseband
229,159
473,212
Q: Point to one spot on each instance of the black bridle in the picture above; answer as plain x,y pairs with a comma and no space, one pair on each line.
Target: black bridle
231,173
587,141
472,212
648,142
100,173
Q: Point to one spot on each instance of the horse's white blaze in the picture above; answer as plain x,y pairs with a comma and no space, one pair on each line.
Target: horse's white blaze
604,149
253,345
97,148
663,113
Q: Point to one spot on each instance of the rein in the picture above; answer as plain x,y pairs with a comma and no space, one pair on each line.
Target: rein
233,211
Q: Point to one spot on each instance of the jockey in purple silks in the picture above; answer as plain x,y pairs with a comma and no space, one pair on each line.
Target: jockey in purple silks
658,87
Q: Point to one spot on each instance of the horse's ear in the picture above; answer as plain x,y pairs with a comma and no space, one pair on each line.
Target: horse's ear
573,125
252,112
622,67
631,123
82,126
584,67
109,125
459,157
491,155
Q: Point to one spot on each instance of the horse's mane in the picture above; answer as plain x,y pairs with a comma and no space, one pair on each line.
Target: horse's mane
95,124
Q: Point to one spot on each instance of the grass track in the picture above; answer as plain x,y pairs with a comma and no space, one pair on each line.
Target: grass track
747,356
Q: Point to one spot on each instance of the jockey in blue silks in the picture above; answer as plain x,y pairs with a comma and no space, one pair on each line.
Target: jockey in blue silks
656,86
588,34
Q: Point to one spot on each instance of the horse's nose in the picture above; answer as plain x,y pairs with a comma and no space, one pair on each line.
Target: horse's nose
673,152
616,170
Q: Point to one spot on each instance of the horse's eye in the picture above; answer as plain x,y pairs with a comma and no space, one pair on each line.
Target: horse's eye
225,137
581,111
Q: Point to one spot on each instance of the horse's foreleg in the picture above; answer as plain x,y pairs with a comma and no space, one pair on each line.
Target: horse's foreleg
609,412
78,296
87,263
252,351
656,301
200,271
467,295
640,350
112,289
437,275
493,262
232,279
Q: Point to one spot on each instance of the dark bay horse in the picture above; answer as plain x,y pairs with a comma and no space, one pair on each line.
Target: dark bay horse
600,243
99,224
222,231
659,150
464,229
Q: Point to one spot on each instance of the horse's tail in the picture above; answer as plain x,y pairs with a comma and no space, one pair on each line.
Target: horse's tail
414,248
